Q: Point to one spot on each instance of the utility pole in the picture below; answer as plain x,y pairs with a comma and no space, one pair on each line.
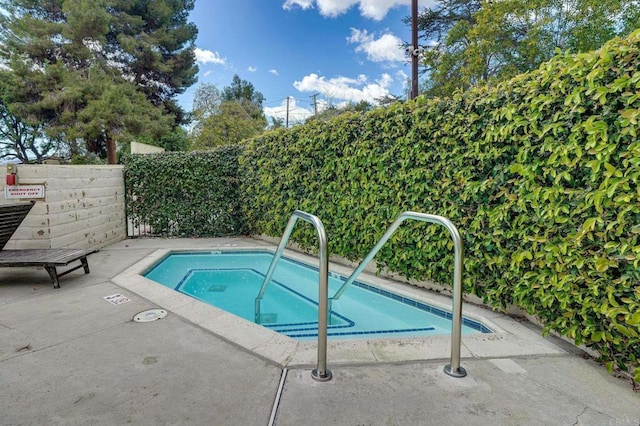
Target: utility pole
315,104
414,51
287,121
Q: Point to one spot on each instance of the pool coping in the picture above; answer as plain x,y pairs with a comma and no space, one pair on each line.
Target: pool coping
510,337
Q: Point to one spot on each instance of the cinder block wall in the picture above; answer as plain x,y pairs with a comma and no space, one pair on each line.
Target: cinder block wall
83,207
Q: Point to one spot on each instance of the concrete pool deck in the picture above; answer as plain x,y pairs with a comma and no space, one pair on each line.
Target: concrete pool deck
68,356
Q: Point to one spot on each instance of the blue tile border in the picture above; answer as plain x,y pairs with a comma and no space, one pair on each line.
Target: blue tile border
476,325
191,253
364,333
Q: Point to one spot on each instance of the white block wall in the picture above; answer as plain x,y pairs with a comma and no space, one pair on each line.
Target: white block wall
143,148
83,207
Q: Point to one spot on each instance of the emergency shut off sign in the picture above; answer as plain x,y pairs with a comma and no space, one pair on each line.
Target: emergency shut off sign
24,191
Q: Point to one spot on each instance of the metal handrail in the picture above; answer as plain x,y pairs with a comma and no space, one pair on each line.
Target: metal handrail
452,369
320,373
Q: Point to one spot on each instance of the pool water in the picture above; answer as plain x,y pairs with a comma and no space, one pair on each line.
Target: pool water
232,280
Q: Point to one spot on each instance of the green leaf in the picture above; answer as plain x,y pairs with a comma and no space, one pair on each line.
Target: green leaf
634,319
601,264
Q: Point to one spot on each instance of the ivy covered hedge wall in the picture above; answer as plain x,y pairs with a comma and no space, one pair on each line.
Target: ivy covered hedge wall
186,194
540,174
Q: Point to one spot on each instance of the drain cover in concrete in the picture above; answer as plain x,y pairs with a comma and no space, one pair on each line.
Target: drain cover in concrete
150,315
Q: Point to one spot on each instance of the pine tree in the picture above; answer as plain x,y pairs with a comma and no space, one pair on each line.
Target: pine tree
97,70
153,41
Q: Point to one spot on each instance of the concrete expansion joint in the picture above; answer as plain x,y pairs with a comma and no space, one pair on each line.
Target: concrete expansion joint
276,401
300,366
472,354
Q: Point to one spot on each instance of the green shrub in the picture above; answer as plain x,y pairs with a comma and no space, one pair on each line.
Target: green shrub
540,174
186,194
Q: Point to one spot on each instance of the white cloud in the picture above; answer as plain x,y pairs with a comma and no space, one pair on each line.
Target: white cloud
373,9
297,113
206,74
401,75
345,88
274,72
377,9
252,69
209,57
386,48
334,8
303,4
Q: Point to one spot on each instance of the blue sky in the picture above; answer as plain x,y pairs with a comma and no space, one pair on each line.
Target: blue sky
343,50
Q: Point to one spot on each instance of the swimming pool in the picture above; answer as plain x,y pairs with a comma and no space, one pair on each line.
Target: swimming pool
230,280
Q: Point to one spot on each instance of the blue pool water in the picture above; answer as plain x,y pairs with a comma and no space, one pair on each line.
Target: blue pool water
231,281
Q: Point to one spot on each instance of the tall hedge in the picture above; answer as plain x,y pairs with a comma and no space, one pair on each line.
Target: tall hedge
186,194
540,174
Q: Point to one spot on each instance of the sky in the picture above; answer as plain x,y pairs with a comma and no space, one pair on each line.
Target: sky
339,50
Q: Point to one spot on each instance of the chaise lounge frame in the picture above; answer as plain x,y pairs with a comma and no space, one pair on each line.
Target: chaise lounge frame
11,216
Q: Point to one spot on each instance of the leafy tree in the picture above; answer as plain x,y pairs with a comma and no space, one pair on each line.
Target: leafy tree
178,140
387,100
206,101
227,116
21,141
276,123
326,114
97,71
362,106
243,92
472,42
231,123
333,111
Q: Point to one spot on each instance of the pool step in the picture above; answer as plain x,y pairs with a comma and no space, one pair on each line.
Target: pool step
268,319
217,288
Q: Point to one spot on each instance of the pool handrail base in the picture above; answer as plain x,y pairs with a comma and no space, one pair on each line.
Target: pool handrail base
320,373
456,327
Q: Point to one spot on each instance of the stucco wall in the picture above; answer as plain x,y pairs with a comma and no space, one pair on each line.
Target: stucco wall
143,148
83,207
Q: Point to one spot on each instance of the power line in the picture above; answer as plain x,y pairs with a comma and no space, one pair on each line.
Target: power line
278,102
283,100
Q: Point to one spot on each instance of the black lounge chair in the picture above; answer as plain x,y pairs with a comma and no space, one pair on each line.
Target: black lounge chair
11,216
